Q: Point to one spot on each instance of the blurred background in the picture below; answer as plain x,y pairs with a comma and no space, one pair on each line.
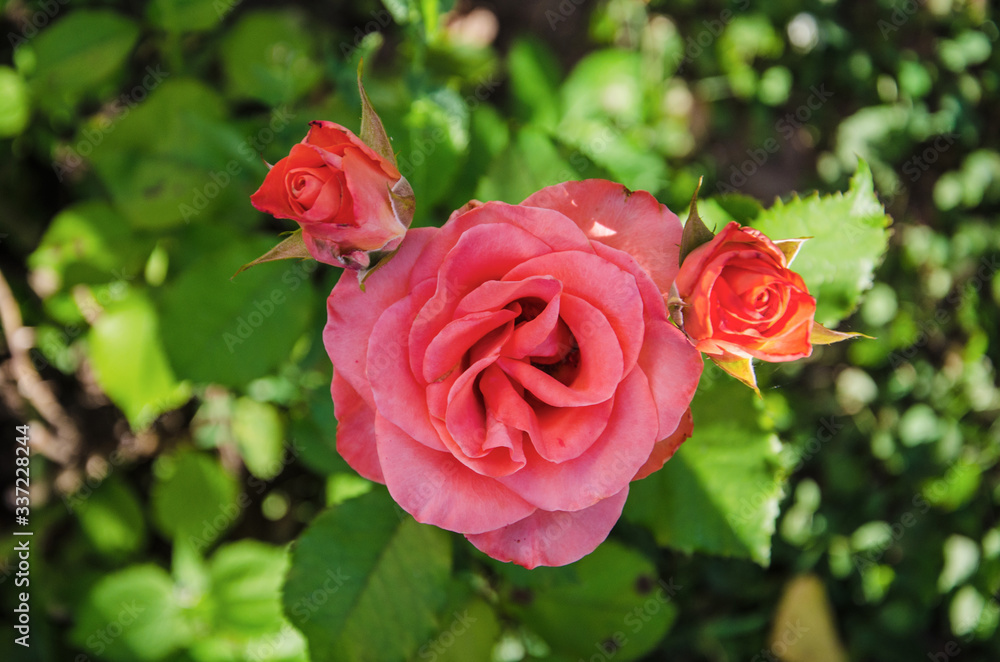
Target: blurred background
181,422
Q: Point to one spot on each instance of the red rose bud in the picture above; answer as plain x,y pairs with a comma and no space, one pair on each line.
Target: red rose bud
742,301
349,200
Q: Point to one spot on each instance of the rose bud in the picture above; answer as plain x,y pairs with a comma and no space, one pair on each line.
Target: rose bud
349,200
742,301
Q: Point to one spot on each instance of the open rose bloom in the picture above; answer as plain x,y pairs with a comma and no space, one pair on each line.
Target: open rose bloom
509,374
349,200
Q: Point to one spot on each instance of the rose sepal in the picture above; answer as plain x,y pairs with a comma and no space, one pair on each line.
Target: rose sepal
372,131
820,335
741,369
292,247
695,231
790,248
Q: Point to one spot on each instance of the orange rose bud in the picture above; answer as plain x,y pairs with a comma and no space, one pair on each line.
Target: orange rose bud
348,199
742,301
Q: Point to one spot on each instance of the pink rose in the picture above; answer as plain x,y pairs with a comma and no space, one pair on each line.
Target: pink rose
338,189
508,375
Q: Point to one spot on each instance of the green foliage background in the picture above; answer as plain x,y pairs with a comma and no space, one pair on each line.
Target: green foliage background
194,437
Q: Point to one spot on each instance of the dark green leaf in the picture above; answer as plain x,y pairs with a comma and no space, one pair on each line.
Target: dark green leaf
610,603
232,331
719,494
78,54
187,15
364,567
270,56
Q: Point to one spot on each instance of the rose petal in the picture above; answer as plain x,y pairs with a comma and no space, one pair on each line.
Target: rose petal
398,393
328,204
336,138
607,466
600,360
557,434
565,433
351,313
303,187
437,489
482,442
673,367
631,221
600,283
552,229
376,223
327,135
482,254
653,304
448,347
497,294
547,538
272,196
665,448
355,430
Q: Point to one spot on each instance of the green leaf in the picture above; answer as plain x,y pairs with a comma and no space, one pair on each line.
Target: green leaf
534,82
611,602
848,239
467,633
90,242
439,136
245,588
132,615
740,208
531,163
270,56
194,499
362,568
179,16
173,160
719,493
403,11
605,85
260,436
78,54
112,518
15,105
430,12
143,386
315,434
223,331
602,118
